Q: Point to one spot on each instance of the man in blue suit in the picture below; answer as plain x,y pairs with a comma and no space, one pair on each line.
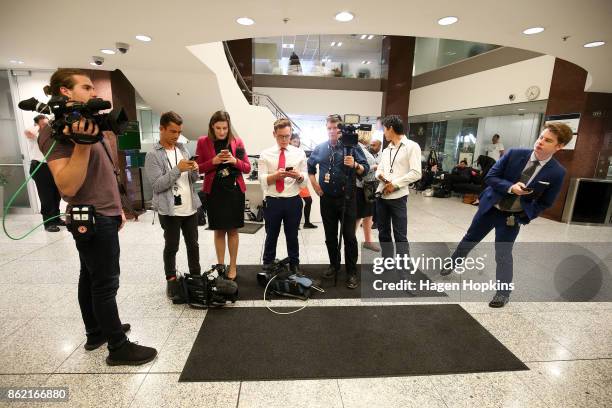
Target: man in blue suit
522,184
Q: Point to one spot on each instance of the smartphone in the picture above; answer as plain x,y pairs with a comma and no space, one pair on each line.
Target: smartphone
194,157
527,189
225,151
288,168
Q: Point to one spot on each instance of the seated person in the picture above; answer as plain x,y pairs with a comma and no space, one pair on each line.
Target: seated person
461,173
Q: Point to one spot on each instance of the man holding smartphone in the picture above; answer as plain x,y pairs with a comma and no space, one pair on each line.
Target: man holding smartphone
282,173
522,184
172,177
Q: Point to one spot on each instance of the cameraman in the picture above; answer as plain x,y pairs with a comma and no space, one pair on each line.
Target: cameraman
337,192
85,175
172,175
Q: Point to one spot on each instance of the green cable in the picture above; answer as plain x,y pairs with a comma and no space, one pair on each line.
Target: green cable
10,203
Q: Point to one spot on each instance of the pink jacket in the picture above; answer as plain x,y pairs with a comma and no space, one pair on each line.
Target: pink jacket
206,152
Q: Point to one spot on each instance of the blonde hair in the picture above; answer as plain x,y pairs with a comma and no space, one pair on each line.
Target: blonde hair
365,136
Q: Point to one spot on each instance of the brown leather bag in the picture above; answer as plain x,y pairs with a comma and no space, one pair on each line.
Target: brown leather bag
469,198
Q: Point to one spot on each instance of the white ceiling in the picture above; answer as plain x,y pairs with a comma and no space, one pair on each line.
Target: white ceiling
69,32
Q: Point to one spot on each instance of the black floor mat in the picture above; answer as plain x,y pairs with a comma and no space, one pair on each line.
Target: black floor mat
250,344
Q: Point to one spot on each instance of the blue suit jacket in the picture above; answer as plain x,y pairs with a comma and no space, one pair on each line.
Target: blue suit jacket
507,171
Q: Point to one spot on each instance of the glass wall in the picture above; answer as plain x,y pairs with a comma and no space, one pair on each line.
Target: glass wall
452,140
149,125
12,173
434,53
351,56
347,56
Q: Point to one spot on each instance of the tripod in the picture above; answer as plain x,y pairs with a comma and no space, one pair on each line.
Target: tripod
350,178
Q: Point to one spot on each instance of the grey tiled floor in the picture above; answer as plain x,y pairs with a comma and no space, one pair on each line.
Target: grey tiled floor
567,346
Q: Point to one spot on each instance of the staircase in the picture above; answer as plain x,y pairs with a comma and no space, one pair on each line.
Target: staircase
260,99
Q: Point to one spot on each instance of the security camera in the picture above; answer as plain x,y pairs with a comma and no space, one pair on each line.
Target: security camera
97,60
512,97
122,47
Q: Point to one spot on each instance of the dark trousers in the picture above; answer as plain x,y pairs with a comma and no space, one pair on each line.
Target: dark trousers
99,280
307,207
392,213
47,192
331,213
505,236
172,226
287,211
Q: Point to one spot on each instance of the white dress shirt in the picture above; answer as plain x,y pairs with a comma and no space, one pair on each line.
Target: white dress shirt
406,168
33,149
268,164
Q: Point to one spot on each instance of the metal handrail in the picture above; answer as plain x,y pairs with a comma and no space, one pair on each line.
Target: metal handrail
255,97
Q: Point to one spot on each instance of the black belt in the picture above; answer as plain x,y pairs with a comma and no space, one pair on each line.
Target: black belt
281,198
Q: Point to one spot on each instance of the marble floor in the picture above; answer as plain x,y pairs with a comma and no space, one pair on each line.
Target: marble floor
567,346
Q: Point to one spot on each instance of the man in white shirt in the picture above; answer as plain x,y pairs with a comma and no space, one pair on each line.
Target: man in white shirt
496,149
172,175
45,185
282,173
400,165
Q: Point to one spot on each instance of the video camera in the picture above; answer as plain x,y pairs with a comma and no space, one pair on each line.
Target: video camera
350,138
67,112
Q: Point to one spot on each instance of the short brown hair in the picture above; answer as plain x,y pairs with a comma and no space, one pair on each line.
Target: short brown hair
333,119
63,77
170,117
220,116
562,131
281,123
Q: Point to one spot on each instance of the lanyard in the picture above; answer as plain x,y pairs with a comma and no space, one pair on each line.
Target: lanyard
175,158
332,155
394,157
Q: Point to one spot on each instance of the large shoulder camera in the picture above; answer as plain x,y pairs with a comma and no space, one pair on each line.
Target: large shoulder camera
349,129
67,112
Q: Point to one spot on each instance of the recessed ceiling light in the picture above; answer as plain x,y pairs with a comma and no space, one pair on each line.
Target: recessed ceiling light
142,37
533,30
333,43
370,36
340,44
363,62
363,36
93,64
292,46
245,21
594,44
521,109
107,51
448,20
344,16
16,62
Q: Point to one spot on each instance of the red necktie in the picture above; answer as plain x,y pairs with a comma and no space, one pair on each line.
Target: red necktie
280,183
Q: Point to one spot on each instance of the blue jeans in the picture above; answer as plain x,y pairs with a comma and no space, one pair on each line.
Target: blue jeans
99,280
388,213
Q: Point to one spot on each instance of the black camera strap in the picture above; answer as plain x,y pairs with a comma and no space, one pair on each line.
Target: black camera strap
394,157
122,190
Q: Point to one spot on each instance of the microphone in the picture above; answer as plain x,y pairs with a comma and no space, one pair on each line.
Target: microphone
33,104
